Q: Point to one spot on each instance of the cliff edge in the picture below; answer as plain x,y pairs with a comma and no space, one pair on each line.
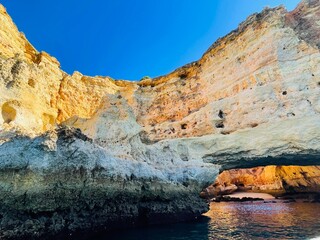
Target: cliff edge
80,153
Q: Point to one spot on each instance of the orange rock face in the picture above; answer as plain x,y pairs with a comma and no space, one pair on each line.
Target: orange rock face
72,140
271,179
255,75
253,94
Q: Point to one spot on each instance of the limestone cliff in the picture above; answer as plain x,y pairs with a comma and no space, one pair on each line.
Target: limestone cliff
276,180
85,153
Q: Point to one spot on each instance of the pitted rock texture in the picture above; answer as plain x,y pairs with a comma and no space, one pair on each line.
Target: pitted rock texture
87,153
62,182
276,180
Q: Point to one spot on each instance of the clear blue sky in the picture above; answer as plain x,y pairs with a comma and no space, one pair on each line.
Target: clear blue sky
129,39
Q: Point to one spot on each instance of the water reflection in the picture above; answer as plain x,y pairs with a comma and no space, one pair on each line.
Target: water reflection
238,221
264,220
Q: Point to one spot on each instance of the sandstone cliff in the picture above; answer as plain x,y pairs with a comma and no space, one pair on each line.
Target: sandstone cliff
146,149
276,180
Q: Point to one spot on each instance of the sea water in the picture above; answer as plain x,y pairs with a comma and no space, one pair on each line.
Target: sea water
248,220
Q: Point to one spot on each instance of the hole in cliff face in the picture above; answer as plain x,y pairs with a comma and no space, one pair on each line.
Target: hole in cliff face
299,183
10,84
221,114
31,83
284,93
183,75
16,68
291,114
8,113
219,125
184,126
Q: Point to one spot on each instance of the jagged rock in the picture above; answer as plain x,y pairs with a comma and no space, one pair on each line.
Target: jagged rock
88,153
235,199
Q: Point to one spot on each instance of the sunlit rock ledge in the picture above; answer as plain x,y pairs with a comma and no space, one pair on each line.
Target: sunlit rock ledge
81,153
276,180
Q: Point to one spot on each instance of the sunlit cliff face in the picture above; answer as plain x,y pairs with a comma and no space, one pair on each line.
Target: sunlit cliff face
276,180
264,73
77,149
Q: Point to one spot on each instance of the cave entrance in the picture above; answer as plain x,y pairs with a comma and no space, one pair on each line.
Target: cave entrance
266,183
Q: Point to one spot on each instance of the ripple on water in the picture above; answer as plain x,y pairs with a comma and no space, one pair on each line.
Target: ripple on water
233,221
264,220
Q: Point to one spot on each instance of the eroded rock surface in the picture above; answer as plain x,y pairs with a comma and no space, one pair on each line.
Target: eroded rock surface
85,153
276,180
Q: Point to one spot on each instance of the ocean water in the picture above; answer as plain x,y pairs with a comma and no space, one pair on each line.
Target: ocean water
237,221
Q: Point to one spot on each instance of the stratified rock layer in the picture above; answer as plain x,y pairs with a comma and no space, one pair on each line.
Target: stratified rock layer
88,153
276,180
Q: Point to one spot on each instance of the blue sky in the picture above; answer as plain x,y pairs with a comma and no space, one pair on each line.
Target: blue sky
129,39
